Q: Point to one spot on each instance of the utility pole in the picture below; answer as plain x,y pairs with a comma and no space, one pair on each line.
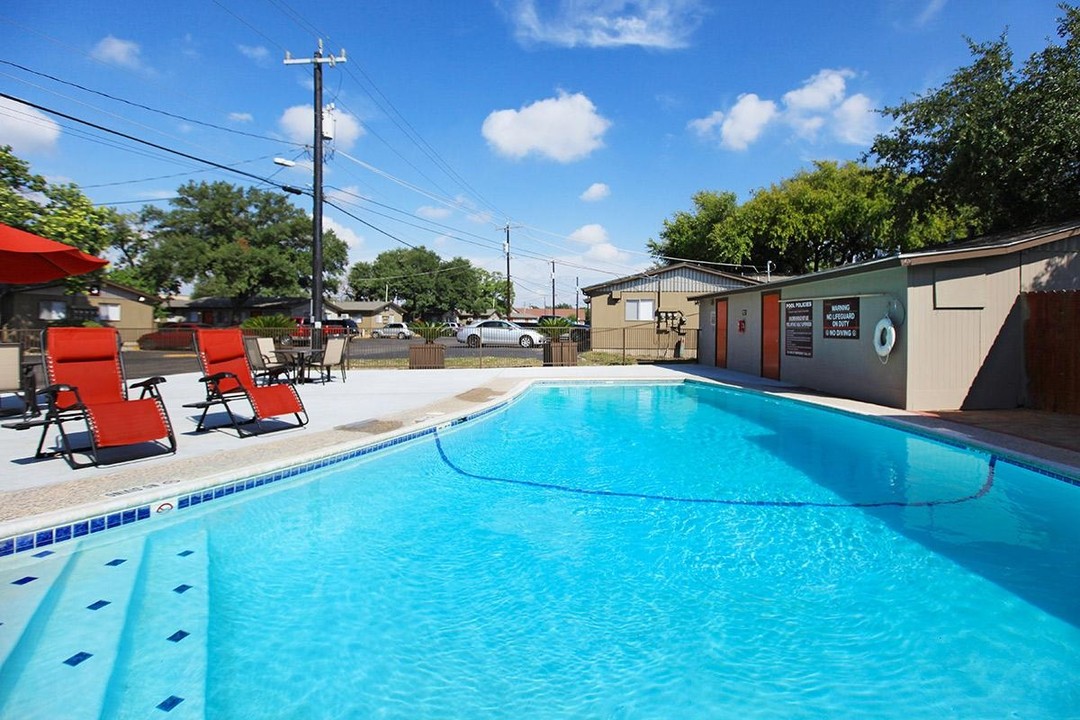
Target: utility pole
553,287
506,249
577,299
317,191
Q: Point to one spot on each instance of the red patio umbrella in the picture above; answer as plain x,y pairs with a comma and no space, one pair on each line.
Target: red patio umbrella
29,259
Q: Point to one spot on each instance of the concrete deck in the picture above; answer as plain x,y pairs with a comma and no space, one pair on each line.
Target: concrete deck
370,406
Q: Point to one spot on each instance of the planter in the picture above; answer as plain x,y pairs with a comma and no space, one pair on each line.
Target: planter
429,356
560,353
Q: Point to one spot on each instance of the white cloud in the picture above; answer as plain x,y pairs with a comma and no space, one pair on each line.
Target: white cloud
820,92
122,53
745,121
592,234
345,234
431,212
298,124
931,11
595,192
257,53
856,121
663,24
564,128
25,129
241,117
820,105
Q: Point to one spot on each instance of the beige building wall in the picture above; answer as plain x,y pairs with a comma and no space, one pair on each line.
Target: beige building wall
966,342
1055,266
851,367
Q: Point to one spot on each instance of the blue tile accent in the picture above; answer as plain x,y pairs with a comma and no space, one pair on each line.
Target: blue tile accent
178,636
24,580
43,553
127,516
98,605
183,503
44,537
116,562
181,589
24,543
169,703
142,513
63,533
114,520
7,547
185,553
81,528
78,658
97,524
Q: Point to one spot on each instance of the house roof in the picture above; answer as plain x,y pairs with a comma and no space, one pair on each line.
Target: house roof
984,246
693,277
256,303
366,306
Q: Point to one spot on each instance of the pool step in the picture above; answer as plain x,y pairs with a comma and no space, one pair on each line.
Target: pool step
61,664
162,662
26,586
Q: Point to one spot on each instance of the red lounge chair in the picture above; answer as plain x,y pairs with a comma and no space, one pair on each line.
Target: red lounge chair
228,378
85,376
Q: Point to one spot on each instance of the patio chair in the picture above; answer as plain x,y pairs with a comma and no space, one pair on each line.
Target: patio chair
11,378
333,356
85,379
264,363
228,378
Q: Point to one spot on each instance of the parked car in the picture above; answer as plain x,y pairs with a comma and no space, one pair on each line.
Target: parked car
499,332
330,328
171,336
394,329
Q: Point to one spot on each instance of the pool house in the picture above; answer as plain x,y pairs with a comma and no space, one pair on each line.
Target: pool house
990,323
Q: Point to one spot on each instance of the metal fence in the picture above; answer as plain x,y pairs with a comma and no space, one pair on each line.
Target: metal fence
160,351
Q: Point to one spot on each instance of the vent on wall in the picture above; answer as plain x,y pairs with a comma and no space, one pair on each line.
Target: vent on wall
962,288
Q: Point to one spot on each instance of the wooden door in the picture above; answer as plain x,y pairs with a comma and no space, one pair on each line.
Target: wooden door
721,333
770,335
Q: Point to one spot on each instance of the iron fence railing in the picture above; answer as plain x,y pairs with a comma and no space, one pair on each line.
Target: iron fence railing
171,350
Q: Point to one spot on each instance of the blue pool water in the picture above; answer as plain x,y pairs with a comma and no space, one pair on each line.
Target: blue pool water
612,551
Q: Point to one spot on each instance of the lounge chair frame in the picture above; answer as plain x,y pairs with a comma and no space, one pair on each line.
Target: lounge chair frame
66,404
224,387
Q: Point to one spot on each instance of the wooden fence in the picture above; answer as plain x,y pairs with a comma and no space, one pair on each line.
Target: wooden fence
1052,350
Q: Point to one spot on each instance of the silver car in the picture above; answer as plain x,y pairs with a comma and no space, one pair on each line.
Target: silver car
394,329
498,332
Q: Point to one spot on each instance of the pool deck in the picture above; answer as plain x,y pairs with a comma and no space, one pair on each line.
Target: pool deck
374,405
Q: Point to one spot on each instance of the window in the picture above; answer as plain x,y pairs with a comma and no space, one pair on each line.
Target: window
109,312
52,310
639,309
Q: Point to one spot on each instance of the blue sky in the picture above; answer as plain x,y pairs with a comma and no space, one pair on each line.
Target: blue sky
582,124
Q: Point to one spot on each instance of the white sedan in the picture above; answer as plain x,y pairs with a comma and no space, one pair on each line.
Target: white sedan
499,332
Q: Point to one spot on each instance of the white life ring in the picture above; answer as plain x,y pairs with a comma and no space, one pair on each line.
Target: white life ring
884,337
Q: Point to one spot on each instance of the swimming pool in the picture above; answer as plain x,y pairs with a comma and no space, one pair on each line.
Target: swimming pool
626,551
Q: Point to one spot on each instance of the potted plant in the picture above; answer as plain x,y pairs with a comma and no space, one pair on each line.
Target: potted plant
430,354
559,350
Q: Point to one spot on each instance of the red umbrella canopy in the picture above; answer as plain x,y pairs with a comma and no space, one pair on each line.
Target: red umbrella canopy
28,259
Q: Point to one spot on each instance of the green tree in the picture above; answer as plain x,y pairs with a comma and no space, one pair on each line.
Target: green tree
429,286
702,235
234,242
994,147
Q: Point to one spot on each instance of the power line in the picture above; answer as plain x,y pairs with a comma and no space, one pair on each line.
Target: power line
141,106
220,166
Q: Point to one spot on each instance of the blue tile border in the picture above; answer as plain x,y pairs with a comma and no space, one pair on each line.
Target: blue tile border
108,521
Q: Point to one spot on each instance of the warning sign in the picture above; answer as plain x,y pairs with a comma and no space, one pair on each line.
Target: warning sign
841,318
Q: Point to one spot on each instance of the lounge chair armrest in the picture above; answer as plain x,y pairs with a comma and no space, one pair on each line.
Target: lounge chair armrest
217,377
148,382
